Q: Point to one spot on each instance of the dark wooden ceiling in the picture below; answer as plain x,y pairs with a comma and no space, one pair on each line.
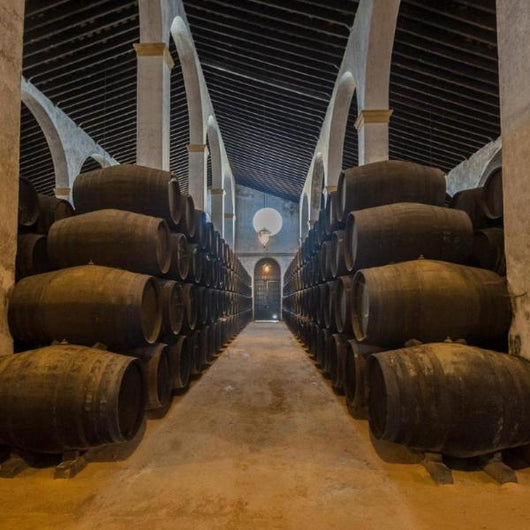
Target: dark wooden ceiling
270,66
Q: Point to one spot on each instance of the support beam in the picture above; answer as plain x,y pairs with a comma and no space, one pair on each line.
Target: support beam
153,104
513,19
198,160
11,31
372,128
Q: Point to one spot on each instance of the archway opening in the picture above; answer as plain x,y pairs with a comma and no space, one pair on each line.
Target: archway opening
36,162
90,164
304,216
267,290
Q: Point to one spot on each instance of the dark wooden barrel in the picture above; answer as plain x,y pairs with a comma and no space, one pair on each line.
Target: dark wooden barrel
356,357
323,257
193,346
86,305
112,238
201,232
187,218
203,305
493,196
429,301
321,305
336,255
129,187
343,299
28,203
190,298
180,257
329,307
488,250
32,255
205,346
336,361
406,231
51,209
156,368
321,336
173,310
450,398
388,182
212,343
471,201
196,264
180,364
62,398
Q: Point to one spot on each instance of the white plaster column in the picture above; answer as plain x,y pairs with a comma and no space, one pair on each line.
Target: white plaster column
153,104
372,130
198,160
230,228
513,23
11,31
217,209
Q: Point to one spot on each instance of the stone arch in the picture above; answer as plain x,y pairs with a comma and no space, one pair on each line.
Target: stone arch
337,130
51,133
90,163
192,83
304,216
494,163
318,179
267,289
215,153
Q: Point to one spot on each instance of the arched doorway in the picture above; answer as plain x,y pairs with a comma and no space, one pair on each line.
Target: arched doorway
267,290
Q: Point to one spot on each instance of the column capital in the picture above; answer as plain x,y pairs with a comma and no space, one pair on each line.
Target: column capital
154,49
197,148
217,191
62,192
229,215
329,189
373,116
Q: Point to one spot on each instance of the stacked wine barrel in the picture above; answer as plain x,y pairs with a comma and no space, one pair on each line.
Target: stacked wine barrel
141,295
36,214
389,300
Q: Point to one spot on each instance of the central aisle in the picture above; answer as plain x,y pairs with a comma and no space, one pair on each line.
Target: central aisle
259,442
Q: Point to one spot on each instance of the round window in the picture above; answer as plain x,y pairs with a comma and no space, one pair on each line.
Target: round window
268,219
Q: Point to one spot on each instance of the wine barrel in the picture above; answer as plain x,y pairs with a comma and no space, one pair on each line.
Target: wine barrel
132,188
343,300
471,201
193,347
195,269
32,256
86,305
336,255
450,398
155,364
212,343
180,364
356,357
190,298
172,304
329,307
112,238
204,346
429,301
186,224
388,182
201,232
493,196
488,250
64,398
337,361
51,209
203,305
28,203
406,231
180,257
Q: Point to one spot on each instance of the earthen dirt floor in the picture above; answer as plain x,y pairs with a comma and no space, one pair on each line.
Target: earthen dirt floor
260,441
